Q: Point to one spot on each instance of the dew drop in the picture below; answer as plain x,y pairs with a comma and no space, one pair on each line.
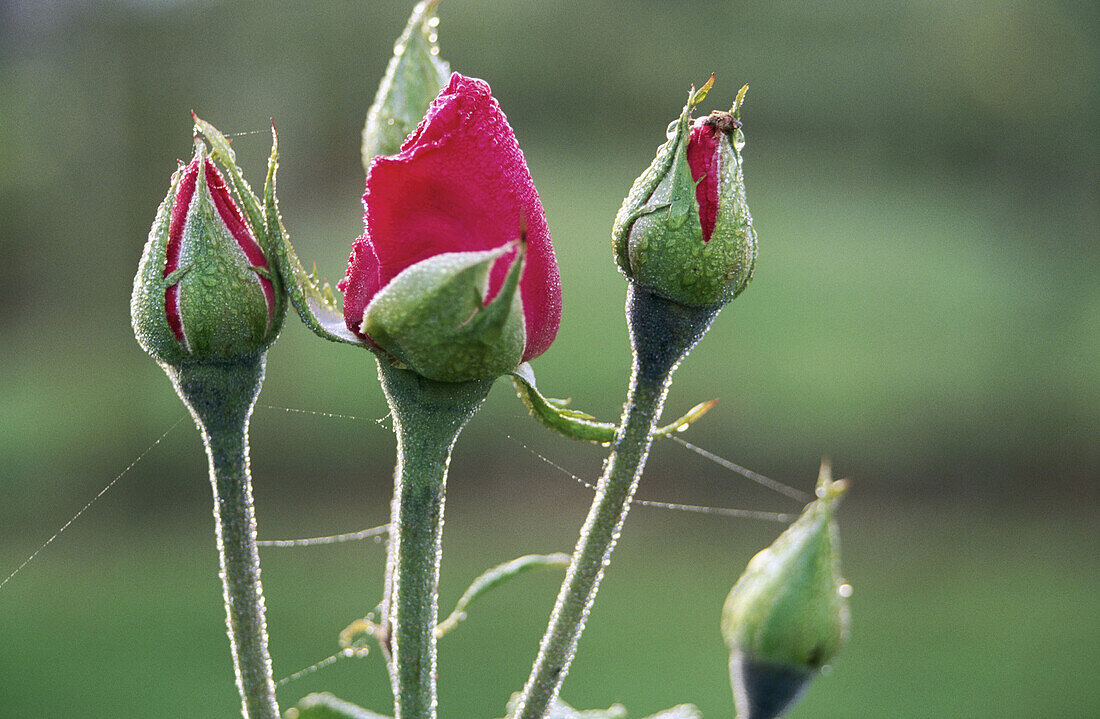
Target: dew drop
844,590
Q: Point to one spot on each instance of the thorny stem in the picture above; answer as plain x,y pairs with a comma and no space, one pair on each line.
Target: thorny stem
662,333
221,397
427,418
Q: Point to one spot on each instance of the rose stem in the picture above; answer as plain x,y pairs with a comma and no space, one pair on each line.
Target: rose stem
661,333
221,398
427,418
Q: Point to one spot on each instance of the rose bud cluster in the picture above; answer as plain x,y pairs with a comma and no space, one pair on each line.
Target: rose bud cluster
787,616
205,291
684,231
455,276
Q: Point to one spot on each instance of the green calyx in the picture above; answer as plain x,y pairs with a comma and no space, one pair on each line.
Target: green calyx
789,608
220,299
432,317
413,78
657,236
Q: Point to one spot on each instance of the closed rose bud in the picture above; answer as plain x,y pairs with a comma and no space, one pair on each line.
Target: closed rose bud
204,291
428,280
787,616
684,231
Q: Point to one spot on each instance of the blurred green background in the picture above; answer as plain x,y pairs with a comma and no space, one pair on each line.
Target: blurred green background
926,311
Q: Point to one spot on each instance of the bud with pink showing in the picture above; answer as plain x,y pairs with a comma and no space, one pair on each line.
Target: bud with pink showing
205,290
455,276
684,231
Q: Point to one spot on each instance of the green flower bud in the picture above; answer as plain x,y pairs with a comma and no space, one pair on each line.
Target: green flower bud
204,290
433,317
413,78
684,231
787,616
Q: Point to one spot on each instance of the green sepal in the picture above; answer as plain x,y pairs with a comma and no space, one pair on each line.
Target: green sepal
222,306
253,212
555,415
220,149
413,78
738,101
318,311
316,306
787,615
431,317
493,578
327,706
147,314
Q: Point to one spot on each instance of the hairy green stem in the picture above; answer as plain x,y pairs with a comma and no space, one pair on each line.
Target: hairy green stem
427,419
661,333
221,397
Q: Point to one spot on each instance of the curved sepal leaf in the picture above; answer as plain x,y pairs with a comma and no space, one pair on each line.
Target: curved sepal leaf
317,309
494,578
327,706
415,75
555,415
315,305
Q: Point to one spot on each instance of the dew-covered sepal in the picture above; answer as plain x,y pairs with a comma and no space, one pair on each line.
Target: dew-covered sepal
684,231
205,290
435,319
413,78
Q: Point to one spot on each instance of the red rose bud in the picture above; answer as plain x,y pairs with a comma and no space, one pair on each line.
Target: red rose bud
459,185
787,616
204,291
684,231
413,78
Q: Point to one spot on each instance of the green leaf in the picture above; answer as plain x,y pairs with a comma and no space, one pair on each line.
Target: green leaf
413,78
580,425
327,706
494,578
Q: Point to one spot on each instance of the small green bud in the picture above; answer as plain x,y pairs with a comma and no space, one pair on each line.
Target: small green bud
684,231
787,616
413,78
434,319
205,291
